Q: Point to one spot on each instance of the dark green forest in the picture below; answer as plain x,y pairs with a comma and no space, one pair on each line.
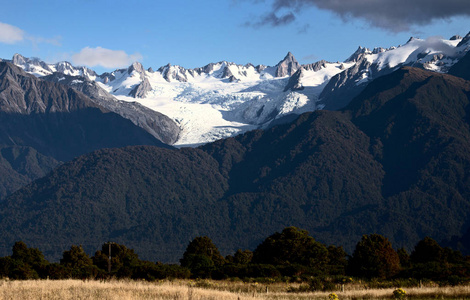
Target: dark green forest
396,162
291,255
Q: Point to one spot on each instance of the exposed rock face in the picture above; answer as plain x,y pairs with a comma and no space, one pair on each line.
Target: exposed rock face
141,90
356,56
287,67
227,73
456,37
315,66
30,64
155,123
22,93
294,83
343,87
171,73
137,67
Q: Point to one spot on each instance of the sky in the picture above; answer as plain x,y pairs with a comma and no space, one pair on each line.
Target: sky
109,34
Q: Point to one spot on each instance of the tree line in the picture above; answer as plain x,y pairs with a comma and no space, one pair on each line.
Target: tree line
288,255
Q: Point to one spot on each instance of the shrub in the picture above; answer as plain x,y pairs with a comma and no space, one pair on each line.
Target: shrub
399,294
333,296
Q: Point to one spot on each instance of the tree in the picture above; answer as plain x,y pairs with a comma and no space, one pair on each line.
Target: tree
75,258
242,257
404,258
337,261
78,263
427,250
430,260
123,260
374,257
292,246
202,257
27,263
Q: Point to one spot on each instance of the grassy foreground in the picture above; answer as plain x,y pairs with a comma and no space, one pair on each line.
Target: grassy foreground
198,290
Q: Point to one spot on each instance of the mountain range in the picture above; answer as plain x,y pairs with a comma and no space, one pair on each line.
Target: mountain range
378,143
395,161
224,99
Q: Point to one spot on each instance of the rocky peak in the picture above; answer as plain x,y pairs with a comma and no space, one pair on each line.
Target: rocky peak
378,50
31,64
456,37
356,56
288,66
18,59
137,66
170,73
64,67
317,66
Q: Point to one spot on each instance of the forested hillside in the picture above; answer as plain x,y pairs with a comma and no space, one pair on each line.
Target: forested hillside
394,162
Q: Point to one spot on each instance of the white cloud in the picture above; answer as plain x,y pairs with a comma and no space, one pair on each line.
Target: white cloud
10,34
104,57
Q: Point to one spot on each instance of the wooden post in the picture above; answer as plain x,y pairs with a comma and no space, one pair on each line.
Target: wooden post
109,258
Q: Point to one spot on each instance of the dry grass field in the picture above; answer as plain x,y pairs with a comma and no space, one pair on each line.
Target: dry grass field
198,290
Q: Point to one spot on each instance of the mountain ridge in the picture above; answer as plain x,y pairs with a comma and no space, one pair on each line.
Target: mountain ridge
225,99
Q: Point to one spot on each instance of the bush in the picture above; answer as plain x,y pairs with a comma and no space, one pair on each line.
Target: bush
399,293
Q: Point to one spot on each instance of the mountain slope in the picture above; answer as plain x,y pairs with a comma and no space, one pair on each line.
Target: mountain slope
419,124
58,121
462,67
155,123
396,161
20,166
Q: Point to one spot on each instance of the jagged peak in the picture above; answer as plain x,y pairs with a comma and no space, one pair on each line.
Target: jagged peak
356,55
18,59
288,58
136,66
288,66
316,66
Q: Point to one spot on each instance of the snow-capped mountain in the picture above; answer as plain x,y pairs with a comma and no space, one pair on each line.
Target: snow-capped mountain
434,54
225,99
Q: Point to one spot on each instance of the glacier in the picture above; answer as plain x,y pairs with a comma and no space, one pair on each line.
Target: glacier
225,99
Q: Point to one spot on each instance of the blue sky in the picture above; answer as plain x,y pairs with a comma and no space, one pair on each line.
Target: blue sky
106,35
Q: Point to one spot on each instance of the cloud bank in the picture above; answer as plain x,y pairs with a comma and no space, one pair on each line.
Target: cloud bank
104,57
392,15
10,34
